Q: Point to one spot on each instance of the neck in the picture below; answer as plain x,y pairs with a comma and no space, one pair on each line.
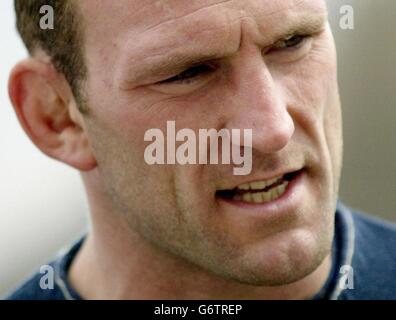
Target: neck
127,267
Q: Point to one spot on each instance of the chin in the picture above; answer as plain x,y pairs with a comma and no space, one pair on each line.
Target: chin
285,259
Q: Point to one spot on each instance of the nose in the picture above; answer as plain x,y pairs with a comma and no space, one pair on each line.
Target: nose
259,104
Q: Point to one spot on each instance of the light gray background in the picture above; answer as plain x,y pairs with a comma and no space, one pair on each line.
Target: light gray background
42,202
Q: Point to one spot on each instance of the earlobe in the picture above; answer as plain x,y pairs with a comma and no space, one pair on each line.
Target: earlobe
43,108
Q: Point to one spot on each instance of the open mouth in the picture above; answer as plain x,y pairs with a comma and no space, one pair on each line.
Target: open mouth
259,191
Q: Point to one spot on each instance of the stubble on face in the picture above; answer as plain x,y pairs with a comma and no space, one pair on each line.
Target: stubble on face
174,207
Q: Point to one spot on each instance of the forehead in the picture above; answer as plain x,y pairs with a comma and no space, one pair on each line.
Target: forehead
113,18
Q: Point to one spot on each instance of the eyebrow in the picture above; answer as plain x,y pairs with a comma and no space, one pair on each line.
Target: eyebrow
177,62
174,61
307,24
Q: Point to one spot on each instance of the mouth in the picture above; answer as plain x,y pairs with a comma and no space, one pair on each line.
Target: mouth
261,191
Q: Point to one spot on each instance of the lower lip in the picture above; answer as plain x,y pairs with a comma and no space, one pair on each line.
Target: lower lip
290,200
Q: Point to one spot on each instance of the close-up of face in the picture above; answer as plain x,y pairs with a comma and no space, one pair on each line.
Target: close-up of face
197,150
269,66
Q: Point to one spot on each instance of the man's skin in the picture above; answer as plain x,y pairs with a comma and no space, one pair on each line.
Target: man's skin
160,232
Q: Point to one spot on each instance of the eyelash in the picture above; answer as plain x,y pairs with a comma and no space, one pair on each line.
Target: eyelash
189,75
302,38
192,74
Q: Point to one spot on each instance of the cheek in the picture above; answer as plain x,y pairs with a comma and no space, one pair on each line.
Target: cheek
310,89
311,93
117,130
129,182
118,126
333,134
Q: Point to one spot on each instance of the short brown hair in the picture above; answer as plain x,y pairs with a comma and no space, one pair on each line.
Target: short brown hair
63,43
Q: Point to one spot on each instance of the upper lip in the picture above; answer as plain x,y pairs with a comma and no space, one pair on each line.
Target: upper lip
277,174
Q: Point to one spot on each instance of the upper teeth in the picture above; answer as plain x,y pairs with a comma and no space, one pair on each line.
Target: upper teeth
258,185
263,196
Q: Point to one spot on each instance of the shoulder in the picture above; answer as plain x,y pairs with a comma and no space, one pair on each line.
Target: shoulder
374,257
51,281
38,287
374,235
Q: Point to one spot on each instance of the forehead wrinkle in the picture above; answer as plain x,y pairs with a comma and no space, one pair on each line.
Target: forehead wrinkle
183,16
309,23
173,19
189,43
302,23
233,15
185,47
299,22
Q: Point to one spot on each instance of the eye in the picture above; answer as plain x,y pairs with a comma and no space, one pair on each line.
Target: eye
190,75
292,42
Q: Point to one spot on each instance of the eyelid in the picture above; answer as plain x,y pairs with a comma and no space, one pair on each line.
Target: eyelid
189,85
209,69
304,38
290,54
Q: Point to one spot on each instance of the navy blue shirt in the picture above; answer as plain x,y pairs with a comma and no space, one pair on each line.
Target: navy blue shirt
363,264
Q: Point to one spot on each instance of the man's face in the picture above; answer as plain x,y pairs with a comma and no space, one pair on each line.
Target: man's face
264,65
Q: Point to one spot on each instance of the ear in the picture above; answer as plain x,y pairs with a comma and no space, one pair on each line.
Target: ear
48,113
